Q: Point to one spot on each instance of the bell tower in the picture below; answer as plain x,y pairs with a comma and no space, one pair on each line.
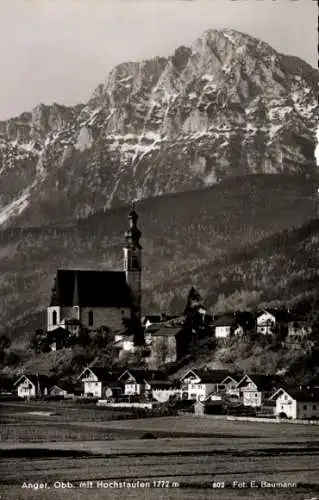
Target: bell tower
133,264
53,311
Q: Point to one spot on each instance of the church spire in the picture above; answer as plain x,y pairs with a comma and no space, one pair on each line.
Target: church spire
54,295
133,234
76,290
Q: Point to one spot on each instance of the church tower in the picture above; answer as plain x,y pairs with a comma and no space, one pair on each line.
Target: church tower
53,311
133,264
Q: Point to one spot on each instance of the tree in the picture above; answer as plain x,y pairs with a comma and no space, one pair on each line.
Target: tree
5,342
84,337
104,336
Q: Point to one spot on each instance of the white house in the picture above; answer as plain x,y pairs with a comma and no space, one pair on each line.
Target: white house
253,390
199,383
229,384
299,328
97,381
139,382
296,404
163,390
58,391
32,386
226,326
265,323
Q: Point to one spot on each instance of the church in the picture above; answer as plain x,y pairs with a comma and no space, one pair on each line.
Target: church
100,298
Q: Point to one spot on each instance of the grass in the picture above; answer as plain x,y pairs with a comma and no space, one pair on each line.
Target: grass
222,451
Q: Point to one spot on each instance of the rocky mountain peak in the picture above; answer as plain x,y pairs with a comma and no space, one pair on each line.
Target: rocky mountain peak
229,105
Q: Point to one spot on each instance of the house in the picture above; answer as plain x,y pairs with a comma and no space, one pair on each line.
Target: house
299,328
97,298
138,382
226,326
124,344
270,320
98,382
152,319
32,386
199,383
163,344
229,384
57,338
163,390
58,391
253,390
296,404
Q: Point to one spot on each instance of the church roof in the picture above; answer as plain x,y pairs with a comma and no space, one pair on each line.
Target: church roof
93,288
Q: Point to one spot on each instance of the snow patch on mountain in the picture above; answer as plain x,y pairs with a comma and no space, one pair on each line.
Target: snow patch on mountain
164,125
84,140
16,207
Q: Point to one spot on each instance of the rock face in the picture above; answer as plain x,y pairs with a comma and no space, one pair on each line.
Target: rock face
230,105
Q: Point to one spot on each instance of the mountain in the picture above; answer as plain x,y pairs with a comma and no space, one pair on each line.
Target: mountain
241,244
227,106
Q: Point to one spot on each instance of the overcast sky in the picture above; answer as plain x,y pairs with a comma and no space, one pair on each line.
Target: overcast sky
60,50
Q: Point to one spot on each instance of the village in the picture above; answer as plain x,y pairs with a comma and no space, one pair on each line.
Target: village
105,307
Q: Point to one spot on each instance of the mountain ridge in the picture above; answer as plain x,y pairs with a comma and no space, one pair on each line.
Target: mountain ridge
229,105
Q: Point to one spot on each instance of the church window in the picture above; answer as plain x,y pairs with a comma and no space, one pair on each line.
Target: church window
90,318
54,318
135,263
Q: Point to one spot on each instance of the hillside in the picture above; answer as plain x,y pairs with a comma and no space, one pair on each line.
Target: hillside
234,241
227,106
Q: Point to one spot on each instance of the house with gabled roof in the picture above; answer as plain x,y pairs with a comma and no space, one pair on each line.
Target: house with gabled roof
163,390
138,382
296,404
58,390
253,390
98,381
268,320
199,383
32,385
227,325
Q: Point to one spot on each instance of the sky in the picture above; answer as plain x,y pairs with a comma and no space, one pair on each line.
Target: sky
61,50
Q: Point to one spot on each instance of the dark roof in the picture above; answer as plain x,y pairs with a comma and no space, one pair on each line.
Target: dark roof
211,376
264,382
279,314
93,288
43,380
303,396
144,375
103,374
233,376
152,328
155,318
165,332
225,321
314,381
162,384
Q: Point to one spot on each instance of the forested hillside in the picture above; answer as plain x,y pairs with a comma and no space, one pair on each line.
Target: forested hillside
243,242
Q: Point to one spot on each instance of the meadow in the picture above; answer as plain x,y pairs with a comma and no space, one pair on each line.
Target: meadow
188,456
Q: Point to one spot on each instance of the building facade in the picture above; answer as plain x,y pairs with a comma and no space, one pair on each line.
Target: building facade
296,404
100,298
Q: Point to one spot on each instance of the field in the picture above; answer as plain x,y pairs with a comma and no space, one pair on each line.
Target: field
81,447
